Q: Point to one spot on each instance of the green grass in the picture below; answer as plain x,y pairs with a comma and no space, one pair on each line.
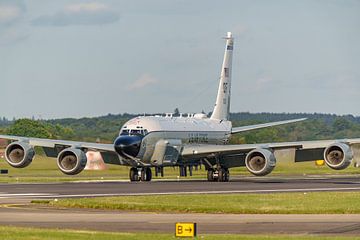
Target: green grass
279,203
44,169
16,233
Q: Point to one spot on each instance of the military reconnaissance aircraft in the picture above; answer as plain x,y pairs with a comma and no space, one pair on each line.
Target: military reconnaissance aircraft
148,142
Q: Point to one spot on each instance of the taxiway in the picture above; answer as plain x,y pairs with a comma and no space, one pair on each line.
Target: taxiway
15,209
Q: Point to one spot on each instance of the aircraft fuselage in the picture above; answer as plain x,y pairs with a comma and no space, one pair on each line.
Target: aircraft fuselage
157,140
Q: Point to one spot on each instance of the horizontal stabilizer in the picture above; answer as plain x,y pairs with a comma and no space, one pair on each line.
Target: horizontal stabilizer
264,125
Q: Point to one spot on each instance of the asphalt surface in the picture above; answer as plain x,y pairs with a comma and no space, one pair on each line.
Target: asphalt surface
165,223
241,185
15,210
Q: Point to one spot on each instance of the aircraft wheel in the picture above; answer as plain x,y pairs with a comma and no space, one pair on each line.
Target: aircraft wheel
210,175
134,175
146,174
221,174
226,176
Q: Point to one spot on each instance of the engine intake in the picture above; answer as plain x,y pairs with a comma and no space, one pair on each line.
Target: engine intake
71,161
338,156
260,162
19,154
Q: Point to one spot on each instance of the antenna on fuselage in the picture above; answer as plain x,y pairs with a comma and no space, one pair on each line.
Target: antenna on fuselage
222,105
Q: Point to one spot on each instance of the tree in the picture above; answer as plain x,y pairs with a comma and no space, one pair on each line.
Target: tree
29,128
39,129
341,124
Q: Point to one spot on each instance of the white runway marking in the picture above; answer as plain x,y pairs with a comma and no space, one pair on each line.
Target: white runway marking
25,195
47,195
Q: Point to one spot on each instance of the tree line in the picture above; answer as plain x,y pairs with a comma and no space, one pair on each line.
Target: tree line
106,128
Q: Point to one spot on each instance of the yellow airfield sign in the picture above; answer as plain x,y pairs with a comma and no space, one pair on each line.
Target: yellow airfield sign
185,229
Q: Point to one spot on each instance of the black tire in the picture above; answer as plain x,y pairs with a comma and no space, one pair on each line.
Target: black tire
226,175
210,175
146,175
221,174
143,174
134,175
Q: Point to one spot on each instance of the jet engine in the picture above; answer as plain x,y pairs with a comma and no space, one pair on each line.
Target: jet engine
338,156
19,154
260,162
71,161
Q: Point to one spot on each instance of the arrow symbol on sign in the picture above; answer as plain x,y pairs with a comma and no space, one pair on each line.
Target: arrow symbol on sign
188,230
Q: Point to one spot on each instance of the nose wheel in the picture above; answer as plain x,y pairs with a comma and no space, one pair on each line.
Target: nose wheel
140,174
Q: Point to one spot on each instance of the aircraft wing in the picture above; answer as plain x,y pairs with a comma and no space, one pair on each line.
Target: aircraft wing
52,143
264,125
304,151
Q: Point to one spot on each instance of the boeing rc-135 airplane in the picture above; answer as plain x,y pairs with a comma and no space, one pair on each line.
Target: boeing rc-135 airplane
160,141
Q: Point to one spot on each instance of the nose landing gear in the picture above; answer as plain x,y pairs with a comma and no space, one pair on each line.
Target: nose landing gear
140,174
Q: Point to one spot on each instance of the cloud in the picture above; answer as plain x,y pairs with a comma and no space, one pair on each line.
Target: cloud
11,17
79,14
10,12
86,7
143,81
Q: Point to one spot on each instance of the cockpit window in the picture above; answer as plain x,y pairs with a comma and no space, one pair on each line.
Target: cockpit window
136,132
132,132
124,132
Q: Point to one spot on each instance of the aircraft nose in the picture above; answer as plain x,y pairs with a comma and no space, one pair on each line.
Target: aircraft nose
128,146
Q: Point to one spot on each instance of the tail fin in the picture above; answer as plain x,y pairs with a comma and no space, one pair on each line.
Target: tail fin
222,105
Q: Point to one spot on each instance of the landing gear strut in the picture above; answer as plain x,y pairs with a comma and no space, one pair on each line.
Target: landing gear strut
140,174
218,175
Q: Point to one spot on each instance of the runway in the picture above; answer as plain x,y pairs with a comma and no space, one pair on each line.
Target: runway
15,209
122,188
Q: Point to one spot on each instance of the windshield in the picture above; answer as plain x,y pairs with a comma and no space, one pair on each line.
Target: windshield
132,132
136,132
124,132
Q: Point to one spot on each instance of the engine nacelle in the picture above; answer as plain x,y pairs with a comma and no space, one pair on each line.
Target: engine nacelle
71,161
19,154
260,162
338,156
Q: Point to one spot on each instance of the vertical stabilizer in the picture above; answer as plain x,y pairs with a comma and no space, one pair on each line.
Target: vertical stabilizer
222,105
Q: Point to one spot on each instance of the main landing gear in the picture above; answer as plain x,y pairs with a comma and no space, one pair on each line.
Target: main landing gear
140,174
218,175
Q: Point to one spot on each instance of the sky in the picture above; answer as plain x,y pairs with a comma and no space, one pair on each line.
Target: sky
76,58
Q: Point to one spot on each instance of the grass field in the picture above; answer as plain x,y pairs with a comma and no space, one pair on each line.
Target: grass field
44,169
279,203
14,233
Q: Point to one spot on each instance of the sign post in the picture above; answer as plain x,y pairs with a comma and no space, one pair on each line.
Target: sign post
185,229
